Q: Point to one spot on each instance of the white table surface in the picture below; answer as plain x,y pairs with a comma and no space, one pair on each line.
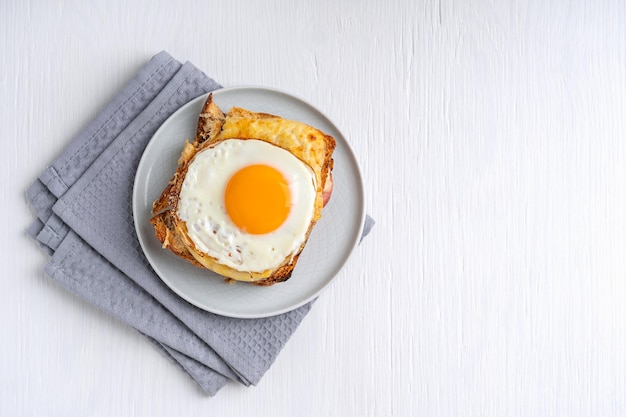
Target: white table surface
493,146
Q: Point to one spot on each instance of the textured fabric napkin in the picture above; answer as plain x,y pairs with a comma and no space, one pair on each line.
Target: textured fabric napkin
84,221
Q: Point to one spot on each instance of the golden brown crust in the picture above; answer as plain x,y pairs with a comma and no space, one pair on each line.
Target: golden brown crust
307,143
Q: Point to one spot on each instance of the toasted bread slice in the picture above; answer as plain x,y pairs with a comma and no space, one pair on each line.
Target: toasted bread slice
308,144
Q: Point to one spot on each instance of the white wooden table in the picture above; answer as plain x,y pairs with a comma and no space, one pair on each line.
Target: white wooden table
493,146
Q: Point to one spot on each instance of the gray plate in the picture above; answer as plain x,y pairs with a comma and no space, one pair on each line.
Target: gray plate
330,244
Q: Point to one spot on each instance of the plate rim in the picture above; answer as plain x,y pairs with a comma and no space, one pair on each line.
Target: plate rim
314,294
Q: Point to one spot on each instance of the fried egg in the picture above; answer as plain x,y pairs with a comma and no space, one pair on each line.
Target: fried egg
247,203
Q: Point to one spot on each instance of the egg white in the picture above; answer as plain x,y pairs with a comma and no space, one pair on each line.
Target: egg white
201,205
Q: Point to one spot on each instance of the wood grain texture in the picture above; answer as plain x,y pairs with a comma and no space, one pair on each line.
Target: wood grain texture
492,141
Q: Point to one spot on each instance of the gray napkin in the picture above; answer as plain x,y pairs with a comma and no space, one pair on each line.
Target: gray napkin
83,205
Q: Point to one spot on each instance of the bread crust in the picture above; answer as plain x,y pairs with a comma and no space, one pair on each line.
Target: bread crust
308,144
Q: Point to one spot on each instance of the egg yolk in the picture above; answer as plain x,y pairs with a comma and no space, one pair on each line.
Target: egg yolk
258,199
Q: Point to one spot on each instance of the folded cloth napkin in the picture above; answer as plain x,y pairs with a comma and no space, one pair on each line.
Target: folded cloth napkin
84,221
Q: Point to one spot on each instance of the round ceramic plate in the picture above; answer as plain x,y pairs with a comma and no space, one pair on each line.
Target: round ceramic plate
331,242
